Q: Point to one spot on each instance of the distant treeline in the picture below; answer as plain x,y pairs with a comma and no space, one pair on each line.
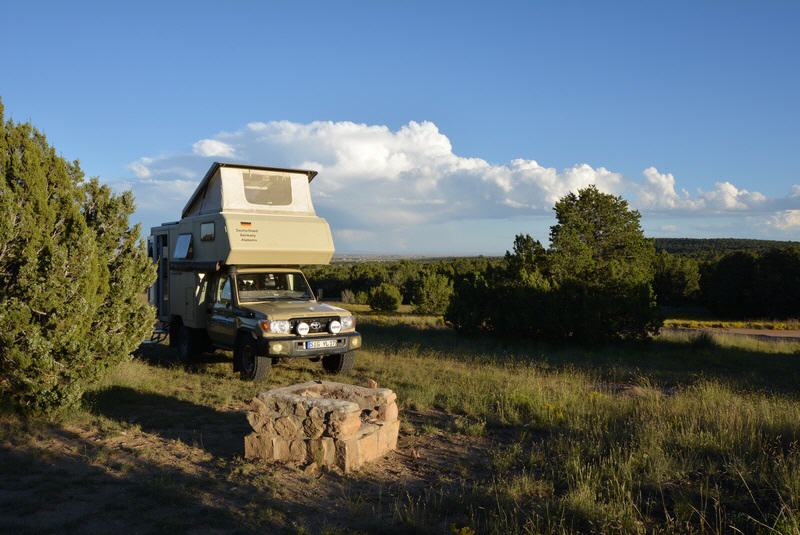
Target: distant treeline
730,277
361,277
716,247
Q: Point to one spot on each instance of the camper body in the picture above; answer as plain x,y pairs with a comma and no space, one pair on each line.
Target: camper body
228,272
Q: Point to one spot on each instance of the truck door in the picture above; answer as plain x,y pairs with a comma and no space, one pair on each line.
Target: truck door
221,323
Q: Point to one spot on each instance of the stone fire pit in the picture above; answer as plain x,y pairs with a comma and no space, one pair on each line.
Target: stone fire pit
322,422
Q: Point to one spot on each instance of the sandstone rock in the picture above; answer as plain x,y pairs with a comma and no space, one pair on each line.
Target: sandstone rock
257,447
368,447
300,410
322,451
323,423
389,412
261,423
372,383
347,457
317,413
258,405
297,451
280,449
287,427
386,395
313,428
387,436
344,425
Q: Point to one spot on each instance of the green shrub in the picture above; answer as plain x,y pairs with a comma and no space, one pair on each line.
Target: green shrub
432,294
385,297
362,298
72,276
348,297
676,279
593,284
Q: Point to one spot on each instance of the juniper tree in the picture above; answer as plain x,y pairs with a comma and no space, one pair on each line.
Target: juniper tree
603,267
72,275
432,293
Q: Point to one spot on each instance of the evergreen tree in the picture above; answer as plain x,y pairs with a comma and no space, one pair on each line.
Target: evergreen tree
72,275
432,294
598,237
527,265
593,284
385,297
603,267
676,280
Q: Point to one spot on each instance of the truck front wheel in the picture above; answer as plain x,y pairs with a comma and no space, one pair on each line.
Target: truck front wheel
252,366
341,363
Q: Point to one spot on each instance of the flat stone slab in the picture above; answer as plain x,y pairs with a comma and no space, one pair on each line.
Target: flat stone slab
324,422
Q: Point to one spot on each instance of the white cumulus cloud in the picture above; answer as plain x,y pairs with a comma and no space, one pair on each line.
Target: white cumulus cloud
374,177
786,219
726,196
658,192
214,148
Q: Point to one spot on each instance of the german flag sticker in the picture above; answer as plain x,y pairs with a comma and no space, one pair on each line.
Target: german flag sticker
245,224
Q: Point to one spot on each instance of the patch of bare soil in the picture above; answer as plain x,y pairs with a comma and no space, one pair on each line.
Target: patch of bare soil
178,467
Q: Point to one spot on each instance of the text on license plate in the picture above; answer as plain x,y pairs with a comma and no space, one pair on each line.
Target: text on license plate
320,344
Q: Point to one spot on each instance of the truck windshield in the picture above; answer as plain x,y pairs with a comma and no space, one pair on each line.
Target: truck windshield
269,285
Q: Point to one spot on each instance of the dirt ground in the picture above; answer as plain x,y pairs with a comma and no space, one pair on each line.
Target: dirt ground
164,465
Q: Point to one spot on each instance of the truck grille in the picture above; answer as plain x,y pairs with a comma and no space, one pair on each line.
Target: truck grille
315,325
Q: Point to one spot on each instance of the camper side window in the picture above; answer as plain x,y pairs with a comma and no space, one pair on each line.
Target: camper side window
183,247
224,291
207,231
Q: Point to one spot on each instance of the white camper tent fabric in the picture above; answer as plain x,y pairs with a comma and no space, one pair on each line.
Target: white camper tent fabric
234,198
212,198
225,192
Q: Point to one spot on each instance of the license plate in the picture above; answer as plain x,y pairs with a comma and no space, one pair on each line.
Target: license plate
320,344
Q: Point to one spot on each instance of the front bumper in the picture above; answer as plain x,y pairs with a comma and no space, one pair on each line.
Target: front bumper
296,347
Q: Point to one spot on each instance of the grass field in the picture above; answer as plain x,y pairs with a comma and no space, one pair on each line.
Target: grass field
684,434
769,325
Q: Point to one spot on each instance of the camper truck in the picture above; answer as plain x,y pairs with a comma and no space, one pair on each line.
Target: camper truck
229,277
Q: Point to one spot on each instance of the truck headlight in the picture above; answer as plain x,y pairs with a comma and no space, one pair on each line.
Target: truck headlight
348,323
335,327
302,328
276,326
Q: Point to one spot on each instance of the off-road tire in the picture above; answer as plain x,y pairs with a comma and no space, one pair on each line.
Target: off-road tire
189,344
340,363
251,365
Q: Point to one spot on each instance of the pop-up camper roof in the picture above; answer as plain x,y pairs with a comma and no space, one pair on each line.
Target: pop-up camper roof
250,215
251,188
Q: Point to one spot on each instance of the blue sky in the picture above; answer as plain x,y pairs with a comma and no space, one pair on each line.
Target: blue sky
424,116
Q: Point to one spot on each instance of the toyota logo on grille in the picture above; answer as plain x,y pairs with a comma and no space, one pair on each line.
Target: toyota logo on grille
315,325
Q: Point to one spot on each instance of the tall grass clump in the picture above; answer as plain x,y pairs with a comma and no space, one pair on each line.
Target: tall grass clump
581,455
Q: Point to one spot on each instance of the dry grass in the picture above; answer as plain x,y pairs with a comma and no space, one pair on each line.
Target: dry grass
682,435
769,325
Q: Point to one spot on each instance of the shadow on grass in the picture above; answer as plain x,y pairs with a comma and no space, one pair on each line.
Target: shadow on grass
55,480
63,483
664,362
163,356
220,433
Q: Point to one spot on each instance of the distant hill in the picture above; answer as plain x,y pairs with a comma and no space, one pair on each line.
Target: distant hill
716,246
